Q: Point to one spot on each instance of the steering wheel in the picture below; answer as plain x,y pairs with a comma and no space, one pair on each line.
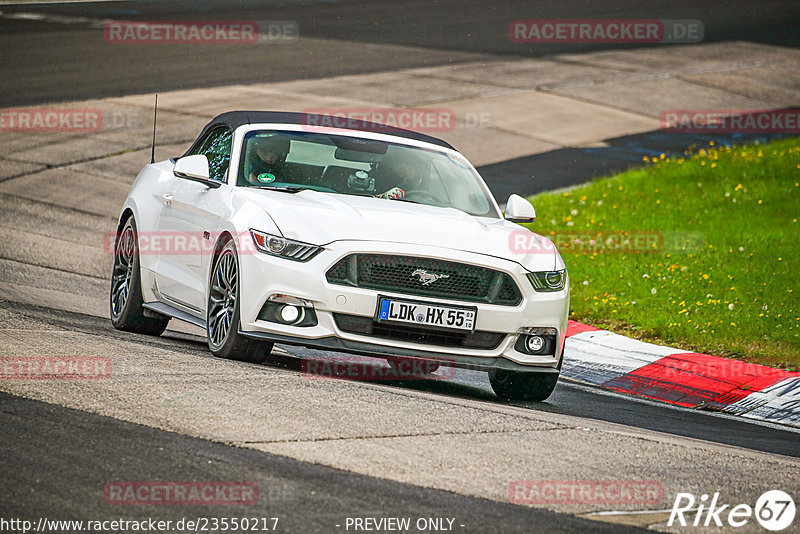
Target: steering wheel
423,194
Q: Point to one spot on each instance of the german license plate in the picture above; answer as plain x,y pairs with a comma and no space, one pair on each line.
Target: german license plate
426,314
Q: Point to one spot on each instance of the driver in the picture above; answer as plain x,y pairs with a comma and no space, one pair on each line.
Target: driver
265,159
406,173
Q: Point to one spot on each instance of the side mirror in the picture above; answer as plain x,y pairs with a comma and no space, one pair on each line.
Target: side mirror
519,210
195,168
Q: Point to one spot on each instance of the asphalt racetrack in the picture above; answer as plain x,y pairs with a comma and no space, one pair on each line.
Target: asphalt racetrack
320,451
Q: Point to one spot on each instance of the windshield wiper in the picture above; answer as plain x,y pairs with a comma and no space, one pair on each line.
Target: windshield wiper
401,199
286,188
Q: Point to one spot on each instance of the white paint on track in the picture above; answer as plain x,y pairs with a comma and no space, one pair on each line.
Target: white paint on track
599,356
55,18
8,3
779,402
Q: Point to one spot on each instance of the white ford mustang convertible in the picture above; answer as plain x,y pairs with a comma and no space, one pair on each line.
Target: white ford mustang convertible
372,240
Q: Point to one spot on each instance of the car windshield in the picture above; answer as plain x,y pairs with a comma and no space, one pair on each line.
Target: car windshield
295,161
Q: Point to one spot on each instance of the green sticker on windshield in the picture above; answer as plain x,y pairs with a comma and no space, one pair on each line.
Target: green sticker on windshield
266,178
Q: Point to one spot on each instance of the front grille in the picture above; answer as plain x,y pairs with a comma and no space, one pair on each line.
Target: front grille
405,274
365,326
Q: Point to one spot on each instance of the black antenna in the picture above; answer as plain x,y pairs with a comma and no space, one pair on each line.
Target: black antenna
153,149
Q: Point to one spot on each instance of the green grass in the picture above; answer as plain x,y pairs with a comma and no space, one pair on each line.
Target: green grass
725,279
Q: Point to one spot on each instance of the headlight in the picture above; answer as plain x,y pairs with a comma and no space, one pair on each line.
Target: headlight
548,280
285,248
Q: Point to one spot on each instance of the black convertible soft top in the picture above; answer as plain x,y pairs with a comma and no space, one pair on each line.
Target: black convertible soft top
234,119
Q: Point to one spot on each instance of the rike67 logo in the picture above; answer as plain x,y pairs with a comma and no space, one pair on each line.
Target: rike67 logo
774,510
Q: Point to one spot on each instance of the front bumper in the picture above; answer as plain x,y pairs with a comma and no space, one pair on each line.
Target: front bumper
263,276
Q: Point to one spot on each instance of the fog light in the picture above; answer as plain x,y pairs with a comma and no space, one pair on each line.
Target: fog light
534,343
537,341
289,313
284,309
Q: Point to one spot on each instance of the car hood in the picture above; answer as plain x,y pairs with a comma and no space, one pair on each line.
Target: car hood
322,218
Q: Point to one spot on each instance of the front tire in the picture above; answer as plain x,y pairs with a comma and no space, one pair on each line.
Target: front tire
514,385
125,299
222,318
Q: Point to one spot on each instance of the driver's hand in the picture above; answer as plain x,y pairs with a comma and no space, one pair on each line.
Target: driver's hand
392,193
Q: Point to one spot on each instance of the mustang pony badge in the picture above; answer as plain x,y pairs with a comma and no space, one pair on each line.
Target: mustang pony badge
428,278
